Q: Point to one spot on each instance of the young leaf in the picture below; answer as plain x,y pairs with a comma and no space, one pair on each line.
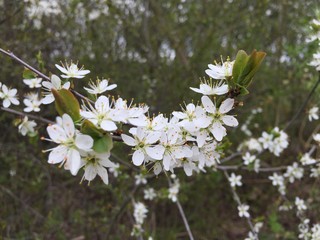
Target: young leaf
89,128
103,144
66,102
251,67
239,64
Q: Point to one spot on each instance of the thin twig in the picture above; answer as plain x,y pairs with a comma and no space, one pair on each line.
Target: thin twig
11,55
237,199
185,221
28,115
304,104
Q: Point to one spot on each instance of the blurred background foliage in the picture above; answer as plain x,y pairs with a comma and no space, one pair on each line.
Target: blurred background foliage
154,50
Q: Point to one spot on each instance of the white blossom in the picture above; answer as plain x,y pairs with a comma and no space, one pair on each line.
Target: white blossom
26,126
235,180
149,194
55,84
219,116
313,113
71,143
33,82
100,87
72,71
294,172
220,71
210,88
301,206
140,179
140,212
96,164
243,210
8,96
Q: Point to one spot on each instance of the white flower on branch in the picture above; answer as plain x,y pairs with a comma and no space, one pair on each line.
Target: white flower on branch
96,164
210,88
294,172
71,143
277,180
72,71
8,96
143,145
248,158
100,87
243,210
33,82
26,126
275,142
174,149
174,190
313,113
306,159
101,115
301,206
140,212
140,179
32,103
235,180
220,71
218,116
149,194
55,83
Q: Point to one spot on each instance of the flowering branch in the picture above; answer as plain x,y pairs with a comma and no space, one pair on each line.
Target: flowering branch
237,199
304,104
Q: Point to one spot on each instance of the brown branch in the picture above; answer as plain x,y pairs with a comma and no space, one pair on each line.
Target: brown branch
28,115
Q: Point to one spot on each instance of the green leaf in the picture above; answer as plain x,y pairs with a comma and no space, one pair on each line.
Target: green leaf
251,67
66,102
89,128
103,144
28,74
239,64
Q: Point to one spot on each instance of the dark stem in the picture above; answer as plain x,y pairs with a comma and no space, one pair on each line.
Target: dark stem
28,115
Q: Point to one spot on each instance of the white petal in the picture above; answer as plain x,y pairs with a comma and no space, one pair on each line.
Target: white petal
90,172
138,157
230,121
84,142
153,137
108,125
56,133
166,162
157,168
201,138
208,104
103,173
68,125
58,154
202,122
62,69
155,152
226,105
218,131
6,103
187,167
128,140
74,161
